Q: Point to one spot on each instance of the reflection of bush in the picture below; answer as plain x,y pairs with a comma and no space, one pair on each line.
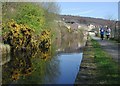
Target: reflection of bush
44,72
16,75
20,65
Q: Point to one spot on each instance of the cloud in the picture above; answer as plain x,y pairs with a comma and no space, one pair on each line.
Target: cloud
71,9
86,12
78,11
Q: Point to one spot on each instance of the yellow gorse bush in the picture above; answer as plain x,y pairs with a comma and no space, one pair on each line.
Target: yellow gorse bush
21,37
27,27
18,36
45,44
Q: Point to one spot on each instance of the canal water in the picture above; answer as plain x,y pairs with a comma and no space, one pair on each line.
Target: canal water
69,67
61,68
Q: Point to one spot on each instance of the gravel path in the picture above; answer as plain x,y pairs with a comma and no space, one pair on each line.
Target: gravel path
109,46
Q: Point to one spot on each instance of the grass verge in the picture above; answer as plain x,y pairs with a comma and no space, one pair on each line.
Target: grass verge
108,70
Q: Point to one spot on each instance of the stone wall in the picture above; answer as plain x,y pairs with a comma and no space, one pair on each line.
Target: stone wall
4,49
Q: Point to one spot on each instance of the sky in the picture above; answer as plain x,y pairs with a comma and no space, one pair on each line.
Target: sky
105,10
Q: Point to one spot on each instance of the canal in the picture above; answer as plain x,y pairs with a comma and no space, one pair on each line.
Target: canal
61,68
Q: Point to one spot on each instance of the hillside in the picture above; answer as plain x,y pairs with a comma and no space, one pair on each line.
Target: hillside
86,20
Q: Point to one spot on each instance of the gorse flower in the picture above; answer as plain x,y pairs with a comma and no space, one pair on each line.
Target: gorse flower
18,36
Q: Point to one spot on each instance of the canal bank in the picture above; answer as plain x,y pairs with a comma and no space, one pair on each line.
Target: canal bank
97,66
87,72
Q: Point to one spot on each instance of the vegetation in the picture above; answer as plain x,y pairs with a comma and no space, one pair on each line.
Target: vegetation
27,26
108,70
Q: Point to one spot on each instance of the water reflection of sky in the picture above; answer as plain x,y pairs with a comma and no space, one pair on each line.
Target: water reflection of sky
61,69
69,67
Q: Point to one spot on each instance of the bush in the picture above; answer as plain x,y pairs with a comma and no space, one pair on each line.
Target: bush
26,13
23,24
18,36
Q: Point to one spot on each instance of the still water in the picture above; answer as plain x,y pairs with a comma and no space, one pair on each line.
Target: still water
69,67
61,68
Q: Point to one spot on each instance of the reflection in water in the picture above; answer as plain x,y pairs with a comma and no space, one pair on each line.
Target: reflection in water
19,65
23,69
69,67
29,68
70,42
4,59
